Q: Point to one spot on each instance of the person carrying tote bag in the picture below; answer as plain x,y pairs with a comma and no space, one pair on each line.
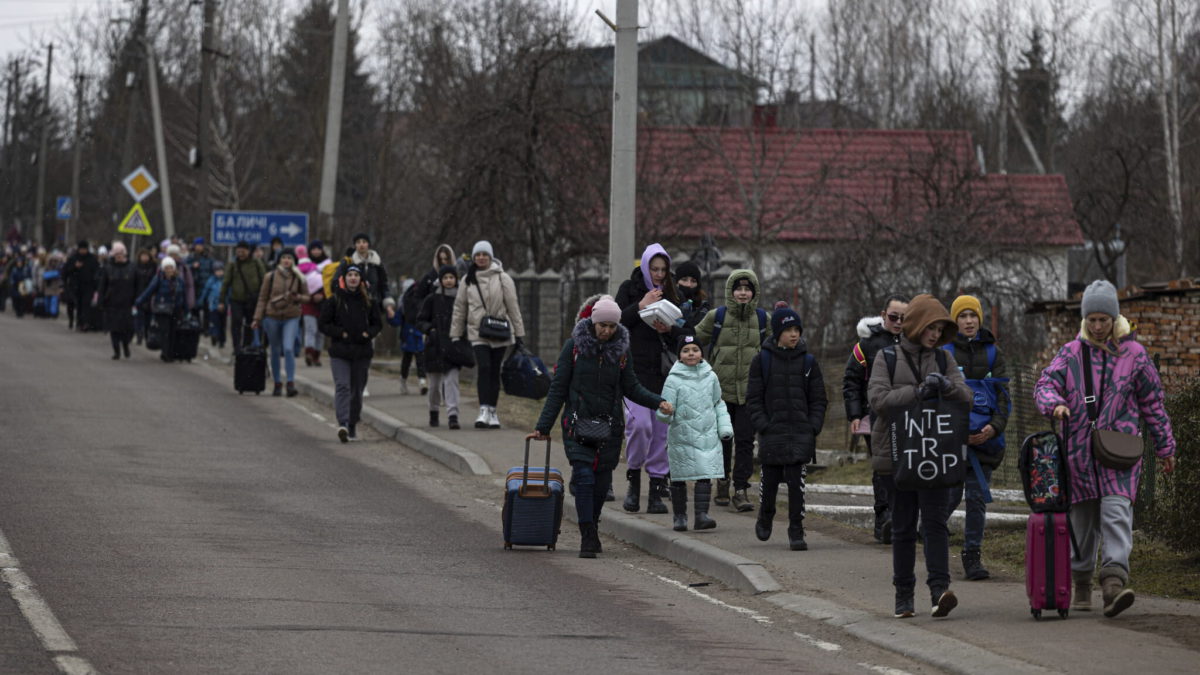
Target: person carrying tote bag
485,305
1104,384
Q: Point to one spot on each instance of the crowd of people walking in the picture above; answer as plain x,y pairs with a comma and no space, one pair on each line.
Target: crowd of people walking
691,390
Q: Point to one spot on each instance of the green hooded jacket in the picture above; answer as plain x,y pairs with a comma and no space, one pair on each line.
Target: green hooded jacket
739,341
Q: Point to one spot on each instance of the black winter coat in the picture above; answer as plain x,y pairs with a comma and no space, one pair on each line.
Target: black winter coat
143,275
787,409
79,277
646,345
434,321
591,378
344,318
972,359
854,382
117,290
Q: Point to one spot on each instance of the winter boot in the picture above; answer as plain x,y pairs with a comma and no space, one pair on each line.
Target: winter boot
308,356
633,495
972,566
433,418
678,505
404,390
481,422
493,419
762,524
741,501
452,422
905,608
316,356
943,600
424,385
1082,601
796,539
722,498
589,540
609,496
883,528
1114,589
654,500
703,494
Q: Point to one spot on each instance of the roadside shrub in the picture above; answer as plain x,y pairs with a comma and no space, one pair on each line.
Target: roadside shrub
1173,503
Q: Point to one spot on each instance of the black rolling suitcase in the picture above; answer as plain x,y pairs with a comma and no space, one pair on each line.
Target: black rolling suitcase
185,342
249,367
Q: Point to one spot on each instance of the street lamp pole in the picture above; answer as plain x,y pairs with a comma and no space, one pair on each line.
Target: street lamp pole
623,195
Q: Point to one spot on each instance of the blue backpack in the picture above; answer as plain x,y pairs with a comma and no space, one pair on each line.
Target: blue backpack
716,331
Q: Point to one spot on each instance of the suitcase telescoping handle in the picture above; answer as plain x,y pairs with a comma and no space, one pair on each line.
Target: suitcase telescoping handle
544,488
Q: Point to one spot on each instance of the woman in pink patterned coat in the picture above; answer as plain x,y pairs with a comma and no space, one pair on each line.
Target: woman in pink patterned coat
1129,393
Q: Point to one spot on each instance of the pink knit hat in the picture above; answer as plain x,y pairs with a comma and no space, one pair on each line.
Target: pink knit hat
606,310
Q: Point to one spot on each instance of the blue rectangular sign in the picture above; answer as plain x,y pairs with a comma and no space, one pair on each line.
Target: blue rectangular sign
63,208
259,227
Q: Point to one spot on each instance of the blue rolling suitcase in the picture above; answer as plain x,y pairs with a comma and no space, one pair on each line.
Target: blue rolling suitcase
533,504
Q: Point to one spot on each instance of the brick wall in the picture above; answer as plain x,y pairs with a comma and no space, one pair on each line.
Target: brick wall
1168,325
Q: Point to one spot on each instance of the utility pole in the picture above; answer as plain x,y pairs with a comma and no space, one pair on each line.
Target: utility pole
39,207
160,149
129,62
78,157
623,195
9,109
333,122
201,159
15,169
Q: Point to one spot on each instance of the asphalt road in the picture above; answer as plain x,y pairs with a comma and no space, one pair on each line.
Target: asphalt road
173,526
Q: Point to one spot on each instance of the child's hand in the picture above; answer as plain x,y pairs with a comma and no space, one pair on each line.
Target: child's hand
666,408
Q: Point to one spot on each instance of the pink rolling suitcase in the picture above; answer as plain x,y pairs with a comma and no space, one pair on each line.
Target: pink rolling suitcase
1048,563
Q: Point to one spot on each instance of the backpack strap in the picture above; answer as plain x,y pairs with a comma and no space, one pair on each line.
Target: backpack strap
858,354
889,357
942,362
762,325
716,331
991,356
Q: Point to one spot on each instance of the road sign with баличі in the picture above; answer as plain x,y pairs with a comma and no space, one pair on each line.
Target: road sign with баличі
140,184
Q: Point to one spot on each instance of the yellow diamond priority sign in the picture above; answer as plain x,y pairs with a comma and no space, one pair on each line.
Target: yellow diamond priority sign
135,222
140,184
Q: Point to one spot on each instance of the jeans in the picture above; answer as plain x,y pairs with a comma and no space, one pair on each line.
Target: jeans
768,490
741,447
281,333
488,359
976,509
645,440
349,381
590,487
930,507
312,336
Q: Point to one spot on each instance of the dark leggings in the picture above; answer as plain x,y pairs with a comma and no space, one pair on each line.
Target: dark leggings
120,340
488,360
406,363
591,486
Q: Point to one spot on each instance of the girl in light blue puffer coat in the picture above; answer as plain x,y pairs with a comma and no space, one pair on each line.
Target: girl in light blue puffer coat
699,422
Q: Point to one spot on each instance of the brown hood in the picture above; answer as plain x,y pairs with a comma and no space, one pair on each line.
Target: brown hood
924,311
438,250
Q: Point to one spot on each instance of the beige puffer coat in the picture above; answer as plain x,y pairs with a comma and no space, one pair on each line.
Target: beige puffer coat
281,295
499,299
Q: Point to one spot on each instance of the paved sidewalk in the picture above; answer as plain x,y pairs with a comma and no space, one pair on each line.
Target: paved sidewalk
839,581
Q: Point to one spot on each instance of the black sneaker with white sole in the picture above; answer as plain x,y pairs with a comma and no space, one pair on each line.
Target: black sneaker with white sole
943,602
343,434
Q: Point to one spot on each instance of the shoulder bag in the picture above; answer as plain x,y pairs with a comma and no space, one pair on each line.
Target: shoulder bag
492,327
593,431
1114,450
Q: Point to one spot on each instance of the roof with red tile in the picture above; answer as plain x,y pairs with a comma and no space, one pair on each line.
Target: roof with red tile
835,185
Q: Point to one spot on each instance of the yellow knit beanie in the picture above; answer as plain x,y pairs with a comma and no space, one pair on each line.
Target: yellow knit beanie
963,303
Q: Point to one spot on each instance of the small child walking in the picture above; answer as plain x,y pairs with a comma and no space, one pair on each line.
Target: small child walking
433,319
699,422
786,399
210,299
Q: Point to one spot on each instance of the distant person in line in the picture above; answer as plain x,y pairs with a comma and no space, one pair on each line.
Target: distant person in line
20,286
210,300
918,376
79,278
167,300
239,291
115,293
689,283
786,403
874,333
147,269
971,348
370,264
434,319
351,320
278,311
592,378
697,426
412,341
1128,393
487,291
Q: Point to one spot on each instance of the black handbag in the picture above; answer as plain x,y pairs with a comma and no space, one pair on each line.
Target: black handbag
591,431
160,305
458,353
492,327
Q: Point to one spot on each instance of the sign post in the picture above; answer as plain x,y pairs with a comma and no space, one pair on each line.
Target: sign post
259,227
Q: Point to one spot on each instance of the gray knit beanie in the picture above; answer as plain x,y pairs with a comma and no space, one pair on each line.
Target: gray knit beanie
1100,296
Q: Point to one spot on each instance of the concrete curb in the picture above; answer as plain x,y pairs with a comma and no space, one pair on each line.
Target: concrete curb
905,638
868,491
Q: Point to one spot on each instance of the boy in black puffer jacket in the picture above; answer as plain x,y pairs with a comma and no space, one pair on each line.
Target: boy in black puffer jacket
786,400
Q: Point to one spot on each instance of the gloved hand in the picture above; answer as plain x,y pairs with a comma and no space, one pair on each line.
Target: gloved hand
938,383
135,311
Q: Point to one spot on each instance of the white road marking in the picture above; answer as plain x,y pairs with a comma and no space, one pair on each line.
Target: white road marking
493,505
884,670
818,643
707,598
49,631
317,416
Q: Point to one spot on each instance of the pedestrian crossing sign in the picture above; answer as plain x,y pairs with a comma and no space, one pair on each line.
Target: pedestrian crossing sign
135,221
